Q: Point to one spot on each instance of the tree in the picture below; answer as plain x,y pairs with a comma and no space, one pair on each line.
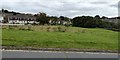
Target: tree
53,20
84,21
64,18
103,17
97,16
42,18
6,11
61,17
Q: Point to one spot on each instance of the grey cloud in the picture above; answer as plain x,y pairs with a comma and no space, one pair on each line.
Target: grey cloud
98,2
115,5
63,7
76,7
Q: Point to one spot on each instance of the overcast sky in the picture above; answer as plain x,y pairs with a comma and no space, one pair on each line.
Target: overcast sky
69,8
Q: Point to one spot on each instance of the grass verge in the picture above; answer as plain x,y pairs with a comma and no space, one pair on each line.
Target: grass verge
72,37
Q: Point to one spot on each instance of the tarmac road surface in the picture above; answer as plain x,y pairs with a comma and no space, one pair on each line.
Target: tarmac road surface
54,54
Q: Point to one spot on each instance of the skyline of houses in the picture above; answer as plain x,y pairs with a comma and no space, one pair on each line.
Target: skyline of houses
13,18
21,18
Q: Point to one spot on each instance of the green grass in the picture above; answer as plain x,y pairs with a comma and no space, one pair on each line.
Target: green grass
73,37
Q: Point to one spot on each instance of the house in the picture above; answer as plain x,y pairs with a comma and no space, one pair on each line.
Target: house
17,18
21,19
1,18
113,20
60,22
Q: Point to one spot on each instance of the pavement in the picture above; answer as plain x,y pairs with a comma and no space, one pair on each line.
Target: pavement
54,54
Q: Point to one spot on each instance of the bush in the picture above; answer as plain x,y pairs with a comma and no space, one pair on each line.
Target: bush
48,29
83,31
55,29
61,29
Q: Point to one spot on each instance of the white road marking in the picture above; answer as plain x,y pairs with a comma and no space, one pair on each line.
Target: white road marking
58,52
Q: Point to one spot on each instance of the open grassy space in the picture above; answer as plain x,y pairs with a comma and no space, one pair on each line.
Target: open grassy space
61,37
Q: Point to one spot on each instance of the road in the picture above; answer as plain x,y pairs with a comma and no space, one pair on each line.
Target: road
53,54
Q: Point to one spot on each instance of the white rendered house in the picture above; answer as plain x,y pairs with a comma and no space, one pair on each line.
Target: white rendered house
1,18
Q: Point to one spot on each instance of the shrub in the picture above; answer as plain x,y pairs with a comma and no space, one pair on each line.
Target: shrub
83,31
55,29
61,29
48,29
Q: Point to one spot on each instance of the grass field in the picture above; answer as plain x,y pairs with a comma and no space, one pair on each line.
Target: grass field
68,37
